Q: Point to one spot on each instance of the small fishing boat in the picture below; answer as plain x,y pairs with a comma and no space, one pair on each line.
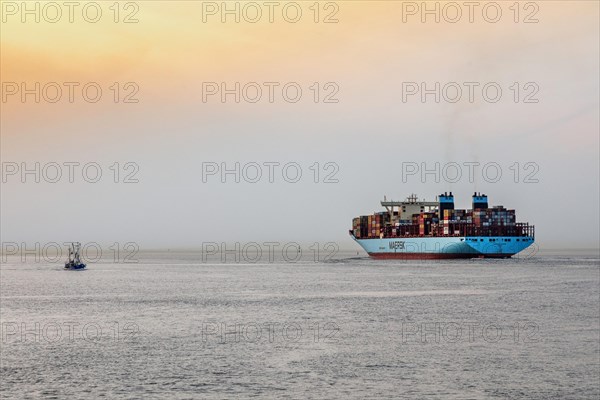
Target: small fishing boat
74,257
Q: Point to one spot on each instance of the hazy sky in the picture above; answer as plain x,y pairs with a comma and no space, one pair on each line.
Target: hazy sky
366,61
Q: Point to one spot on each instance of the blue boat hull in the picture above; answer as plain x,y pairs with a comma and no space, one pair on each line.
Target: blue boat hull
74,266
445,247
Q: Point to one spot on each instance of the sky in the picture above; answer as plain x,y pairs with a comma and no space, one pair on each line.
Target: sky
361,119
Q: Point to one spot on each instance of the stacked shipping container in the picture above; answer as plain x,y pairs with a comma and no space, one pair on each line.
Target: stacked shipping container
453,222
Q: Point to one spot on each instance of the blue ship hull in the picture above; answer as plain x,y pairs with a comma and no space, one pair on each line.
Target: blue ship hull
73,266
445,247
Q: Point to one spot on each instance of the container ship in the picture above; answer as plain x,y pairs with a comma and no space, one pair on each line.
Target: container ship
414,229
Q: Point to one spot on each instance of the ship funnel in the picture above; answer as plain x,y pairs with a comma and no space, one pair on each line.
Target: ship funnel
480,201
446,203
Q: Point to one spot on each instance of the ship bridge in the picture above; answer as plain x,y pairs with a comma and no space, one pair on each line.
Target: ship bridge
412,205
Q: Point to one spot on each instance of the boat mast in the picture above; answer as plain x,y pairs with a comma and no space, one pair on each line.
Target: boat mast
76,246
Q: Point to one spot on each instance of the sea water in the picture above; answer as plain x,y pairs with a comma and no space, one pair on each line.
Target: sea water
175,325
